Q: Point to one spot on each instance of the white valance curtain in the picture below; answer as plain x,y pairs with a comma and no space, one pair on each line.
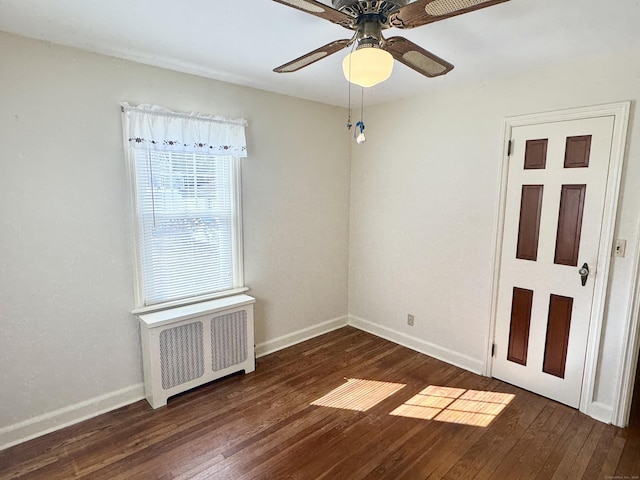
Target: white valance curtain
152,127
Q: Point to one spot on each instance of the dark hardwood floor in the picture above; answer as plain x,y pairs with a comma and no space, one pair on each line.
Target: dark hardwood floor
264,426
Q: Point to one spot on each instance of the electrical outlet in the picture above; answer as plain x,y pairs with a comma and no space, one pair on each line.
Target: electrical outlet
619,248
410,320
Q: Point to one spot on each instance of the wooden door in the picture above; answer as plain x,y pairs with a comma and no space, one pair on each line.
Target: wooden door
555,199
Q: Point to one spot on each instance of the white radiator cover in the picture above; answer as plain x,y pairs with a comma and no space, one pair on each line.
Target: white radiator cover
188,346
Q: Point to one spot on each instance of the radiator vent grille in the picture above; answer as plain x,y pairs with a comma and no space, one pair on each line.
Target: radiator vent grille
181,354
228,340
188,346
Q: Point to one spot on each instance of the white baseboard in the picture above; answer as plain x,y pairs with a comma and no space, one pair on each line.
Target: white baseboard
446,355
49,422
63,417
601,412
290,339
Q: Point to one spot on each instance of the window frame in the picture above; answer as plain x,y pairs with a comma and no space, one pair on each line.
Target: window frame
236,235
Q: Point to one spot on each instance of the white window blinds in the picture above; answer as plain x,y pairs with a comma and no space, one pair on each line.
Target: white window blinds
186,191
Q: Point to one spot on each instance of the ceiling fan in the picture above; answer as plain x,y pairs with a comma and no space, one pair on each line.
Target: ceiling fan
368,18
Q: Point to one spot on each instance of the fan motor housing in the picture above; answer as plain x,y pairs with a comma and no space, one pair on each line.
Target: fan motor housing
356,8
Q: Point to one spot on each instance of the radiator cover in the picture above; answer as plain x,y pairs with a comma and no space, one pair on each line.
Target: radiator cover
188,346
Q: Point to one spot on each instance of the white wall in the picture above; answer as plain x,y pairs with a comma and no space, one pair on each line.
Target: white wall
65,263
423,210
424,194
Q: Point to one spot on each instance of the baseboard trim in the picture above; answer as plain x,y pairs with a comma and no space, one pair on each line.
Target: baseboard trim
49,422
446,355
601,412
294,338
64,417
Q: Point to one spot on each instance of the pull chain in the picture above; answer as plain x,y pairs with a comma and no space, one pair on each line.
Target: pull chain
348,124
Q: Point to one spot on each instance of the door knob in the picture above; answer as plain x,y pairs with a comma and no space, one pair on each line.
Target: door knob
584,274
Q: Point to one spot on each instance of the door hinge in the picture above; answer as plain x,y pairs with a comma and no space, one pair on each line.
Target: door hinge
493,349
509,148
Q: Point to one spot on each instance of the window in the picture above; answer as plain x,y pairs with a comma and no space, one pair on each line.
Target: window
186,196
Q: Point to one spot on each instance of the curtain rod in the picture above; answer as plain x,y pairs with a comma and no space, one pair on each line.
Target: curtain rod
168,113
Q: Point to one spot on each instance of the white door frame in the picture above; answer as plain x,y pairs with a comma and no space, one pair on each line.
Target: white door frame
620,112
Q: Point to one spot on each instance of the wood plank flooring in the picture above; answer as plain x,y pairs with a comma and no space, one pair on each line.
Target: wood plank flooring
263,426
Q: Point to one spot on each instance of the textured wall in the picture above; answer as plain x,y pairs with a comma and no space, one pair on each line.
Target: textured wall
424,200
65,251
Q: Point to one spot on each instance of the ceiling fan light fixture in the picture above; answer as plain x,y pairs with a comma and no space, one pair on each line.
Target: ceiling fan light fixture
367,66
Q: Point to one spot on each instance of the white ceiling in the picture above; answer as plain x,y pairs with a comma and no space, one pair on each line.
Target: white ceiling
241,41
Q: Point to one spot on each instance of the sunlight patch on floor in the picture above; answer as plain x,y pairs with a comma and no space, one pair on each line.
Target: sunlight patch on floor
358,394
455,405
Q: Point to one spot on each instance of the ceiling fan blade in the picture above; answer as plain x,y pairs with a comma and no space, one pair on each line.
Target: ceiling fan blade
416,57
312,57
320,10
422,12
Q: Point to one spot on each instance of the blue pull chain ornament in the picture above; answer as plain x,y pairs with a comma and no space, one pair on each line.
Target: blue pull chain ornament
358,131
360,138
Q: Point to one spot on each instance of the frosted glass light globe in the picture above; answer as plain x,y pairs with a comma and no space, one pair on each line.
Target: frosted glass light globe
367,66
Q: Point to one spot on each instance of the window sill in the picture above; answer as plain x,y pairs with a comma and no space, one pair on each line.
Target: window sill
185,302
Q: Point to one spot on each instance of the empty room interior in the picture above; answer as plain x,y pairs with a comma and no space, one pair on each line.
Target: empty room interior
341,239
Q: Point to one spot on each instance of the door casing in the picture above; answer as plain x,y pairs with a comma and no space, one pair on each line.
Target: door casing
620,112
